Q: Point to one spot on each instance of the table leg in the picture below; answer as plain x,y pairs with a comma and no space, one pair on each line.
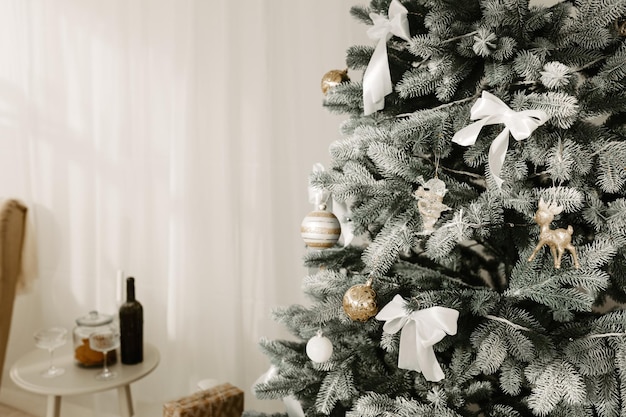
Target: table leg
125,399
53,409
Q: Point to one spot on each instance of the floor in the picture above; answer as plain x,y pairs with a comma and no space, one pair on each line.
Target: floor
6,411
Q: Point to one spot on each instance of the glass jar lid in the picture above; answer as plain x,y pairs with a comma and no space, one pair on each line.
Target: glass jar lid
93,318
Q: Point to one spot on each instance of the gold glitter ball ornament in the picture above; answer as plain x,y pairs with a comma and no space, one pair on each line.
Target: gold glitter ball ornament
359,302
333,78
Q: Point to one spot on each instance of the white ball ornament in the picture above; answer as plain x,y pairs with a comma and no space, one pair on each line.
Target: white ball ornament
319,348
320,229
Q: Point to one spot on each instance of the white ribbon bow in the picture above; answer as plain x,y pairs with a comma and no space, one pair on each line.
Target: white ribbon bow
377,78
491,110
421,329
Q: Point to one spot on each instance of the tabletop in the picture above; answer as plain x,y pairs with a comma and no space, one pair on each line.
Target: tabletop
76,380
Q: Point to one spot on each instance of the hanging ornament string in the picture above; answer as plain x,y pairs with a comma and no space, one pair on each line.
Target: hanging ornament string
491,110
318,197
421,330
377,77
437,158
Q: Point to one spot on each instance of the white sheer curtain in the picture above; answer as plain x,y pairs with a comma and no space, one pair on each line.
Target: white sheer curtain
171,139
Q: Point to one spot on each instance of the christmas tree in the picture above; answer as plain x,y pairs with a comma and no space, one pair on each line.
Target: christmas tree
483,167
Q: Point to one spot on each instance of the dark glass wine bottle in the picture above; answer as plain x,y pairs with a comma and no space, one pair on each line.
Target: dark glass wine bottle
131,326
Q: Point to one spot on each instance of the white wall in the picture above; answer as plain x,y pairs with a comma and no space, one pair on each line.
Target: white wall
302,42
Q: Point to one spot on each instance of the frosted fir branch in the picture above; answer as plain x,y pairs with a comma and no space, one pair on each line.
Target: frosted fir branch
442,106
444,42
463,283
467,174
451,275
517,83
456,38
454,171
529,83
587,65
505,321
572,70
602,335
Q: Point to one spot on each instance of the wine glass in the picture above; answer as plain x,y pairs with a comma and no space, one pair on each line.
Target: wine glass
104,342
50,339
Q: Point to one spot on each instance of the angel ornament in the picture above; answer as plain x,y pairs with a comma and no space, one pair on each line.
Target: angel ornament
558,240
430,203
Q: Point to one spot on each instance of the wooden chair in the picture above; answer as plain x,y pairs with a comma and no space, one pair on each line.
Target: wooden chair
12,233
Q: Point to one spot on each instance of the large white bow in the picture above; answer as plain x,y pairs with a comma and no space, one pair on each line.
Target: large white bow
377,78
491,110
421,329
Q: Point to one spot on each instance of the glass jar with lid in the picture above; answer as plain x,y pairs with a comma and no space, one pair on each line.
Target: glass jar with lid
85,326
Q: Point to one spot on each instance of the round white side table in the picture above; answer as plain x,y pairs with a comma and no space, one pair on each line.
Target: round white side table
76,380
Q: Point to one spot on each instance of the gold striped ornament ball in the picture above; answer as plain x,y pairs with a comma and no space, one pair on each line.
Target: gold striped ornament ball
320,229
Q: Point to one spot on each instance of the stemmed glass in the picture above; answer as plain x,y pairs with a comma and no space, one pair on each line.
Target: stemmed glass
104,342
50,339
